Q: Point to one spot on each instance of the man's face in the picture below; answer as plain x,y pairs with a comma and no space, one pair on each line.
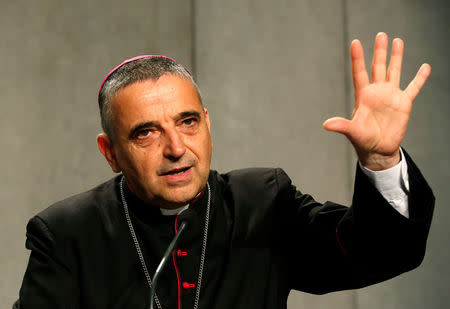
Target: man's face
162,140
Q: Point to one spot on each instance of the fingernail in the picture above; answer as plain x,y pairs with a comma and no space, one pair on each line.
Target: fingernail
397,41
426,68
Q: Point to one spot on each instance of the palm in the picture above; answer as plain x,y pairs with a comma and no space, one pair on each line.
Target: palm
380,118
381,113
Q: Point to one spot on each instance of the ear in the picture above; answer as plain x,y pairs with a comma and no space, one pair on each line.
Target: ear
105,146
209,125
207,119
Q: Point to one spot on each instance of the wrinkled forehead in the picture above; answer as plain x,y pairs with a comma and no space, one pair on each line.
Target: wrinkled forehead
159,102
165,88
165,91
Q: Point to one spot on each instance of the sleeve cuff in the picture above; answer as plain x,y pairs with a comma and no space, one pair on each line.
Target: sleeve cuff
392,184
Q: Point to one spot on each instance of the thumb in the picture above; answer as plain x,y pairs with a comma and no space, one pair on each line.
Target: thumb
337,124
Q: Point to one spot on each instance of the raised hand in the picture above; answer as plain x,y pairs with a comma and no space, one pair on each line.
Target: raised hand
381,112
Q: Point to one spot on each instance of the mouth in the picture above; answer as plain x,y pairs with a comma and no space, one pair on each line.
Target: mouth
178,176
176,171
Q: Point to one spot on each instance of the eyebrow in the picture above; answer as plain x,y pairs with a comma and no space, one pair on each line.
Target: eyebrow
148,124
187,114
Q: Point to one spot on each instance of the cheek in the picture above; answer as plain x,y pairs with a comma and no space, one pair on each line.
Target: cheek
132,159
145,161
205,152
208,145
201,150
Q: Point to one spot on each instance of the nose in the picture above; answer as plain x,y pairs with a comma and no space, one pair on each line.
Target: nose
174,147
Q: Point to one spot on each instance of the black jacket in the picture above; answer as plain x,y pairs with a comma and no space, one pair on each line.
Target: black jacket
265,238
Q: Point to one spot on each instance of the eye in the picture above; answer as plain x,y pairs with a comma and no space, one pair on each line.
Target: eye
143,133
189,122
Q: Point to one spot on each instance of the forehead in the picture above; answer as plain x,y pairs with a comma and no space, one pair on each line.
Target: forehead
151,99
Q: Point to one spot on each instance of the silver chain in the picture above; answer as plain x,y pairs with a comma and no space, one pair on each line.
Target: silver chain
141,257
136,243
203,256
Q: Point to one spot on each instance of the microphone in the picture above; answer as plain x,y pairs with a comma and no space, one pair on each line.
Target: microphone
188,226
190,218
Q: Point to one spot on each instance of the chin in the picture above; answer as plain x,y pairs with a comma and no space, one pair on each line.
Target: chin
180,196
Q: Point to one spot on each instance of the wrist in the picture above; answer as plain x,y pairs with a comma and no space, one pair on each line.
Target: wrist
379,162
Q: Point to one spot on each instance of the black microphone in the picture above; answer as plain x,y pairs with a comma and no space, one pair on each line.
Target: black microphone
188,226
190,218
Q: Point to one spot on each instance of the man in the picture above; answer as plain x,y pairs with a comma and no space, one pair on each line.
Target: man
257,236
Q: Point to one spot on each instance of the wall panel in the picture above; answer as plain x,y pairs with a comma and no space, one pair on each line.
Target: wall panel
53,57
271,73
425,28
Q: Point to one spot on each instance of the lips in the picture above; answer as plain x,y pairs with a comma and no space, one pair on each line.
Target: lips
178,176
176,171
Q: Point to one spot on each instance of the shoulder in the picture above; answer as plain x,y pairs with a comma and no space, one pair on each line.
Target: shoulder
256,178
83,210
253,197
256,186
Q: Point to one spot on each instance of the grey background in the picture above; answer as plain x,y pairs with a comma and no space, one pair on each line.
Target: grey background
271,72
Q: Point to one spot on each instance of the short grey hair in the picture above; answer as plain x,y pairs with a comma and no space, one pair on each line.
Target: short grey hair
151,67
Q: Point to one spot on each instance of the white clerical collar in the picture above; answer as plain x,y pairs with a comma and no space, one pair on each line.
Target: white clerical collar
175,211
